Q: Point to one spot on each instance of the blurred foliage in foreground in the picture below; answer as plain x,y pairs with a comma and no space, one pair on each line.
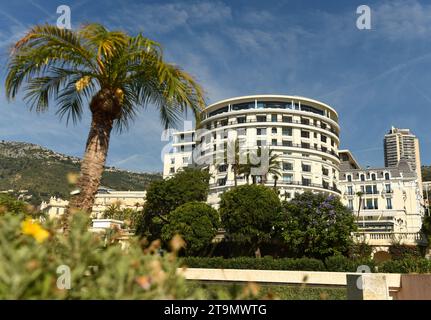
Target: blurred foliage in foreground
35,258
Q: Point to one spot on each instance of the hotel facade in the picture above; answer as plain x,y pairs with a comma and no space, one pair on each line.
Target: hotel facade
305,135
303,132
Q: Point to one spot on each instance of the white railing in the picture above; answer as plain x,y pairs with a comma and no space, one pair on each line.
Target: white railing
388,238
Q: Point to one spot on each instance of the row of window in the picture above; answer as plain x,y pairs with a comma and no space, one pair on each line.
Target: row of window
286,166
372,176
268,105
371,204
369,189
264,118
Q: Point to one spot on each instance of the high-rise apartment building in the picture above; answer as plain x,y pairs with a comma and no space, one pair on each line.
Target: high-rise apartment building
303,132
401,144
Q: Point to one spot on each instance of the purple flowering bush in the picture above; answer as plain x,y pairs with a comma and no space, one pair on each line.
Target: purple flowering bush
316,225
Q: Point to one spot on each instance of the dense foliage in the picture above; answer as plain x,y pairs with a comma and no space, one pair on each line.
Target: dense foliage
426,173
31,253
196,223
249,214
165,196
335,263
131,217
316,225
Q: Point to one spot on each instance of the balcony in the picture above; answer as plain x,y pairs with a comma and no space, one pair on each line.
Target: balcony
280,184
388,238
233,122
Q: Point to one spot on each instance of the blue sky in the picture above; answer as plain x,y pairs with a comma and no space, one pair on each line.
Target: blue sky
374,78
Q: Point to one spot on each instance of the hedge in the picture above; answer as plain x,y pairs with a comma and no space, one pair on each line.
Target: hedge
333,264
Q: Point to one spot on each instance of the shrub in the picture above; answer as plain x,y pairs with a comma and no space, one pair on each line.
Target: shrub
408,265
339,263
399,252
31,252
316,225
265,263
196,222
249,214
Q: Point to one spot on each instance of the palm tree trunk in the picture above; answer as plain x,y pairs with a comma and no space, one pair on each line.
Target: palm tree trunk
235,173
94,162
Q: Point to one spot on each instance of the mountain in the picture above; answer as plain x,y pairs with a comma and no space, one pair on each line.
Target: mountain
38,173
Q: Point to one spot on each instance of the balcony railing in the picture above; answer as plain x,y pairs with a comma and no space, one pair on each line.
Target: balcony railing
280,183
233,122
390,237
290,145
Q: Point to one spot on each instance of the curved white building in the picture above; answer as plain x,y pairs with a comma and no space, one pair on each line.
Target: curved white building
302,131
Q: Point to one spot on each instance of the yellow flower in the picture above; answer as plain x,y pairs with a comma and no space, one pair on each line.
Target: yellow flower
34,229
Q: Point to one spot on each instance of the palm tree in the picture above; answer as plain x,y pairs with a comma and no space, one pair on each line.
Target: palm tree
274,167
111,72
233,161
359,194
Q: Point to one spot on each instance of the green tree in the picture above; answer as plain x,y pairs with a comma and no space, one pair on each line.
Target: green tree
111,72
316,225
249,213
166,195
196,223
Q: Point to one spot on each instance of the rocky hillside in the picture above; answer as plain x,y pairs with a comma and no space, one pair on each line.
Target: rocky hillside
38,173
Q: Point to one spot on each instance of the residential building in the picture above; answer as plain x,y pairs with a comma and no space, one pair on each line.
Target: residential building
302,131
401,144
382,199
181,152
104,198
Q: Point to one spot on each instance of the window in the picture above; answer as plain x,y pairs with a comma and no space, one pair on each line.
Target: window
287,166
222,168
349,178
388,203
172,170
388,188
373,177
287,178
273,117
350,205
350,190
306,167
287,119
261,118
173,161
287,143
305,145
387,177
221,182
325,184
274,130
325,171
287,131
182,148
223,122
323,138
182,136
274,142
305,121
306,181
323,125
305,134
362,177
185,160
261,131
240,119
